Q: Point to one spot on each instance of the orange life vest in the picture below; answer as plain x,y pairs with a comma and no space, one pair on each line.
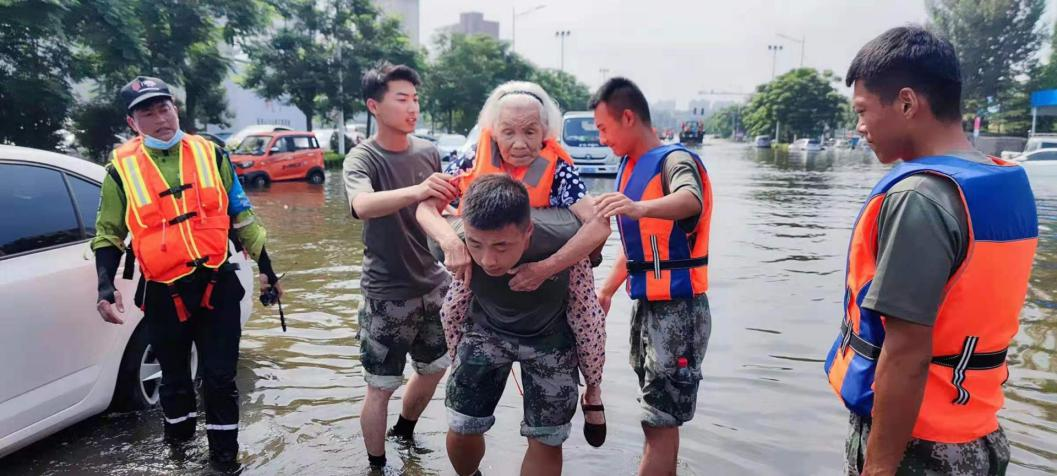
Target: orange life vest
538,176
175,228
664,262
978,316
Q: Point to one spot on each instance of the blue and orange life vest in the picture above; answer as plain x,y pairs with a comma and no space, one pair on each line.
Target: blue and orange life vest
537,176
664,261
978,316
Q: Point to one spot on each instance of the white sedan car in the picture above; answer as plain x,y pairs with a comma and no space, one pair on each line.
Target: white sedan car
61,362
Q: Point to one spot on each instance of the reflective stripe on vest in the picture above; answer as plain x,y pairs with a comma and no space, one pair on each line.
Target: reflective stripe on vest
537,177
174,228
664,262
979,314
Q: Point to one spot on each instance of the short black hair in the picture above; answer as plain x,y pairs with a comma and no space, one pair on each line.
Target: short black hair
621,94
911,57
375,82
494,201
149,103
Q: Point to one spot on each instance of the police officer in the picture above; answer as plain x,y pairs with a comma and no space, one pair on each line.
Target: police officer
176,194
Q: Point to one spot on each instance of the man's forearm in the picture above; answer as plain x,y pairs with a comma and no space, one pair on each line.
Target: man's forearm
676,206
379,204
107,259
435,226
902,371
617,276
588,238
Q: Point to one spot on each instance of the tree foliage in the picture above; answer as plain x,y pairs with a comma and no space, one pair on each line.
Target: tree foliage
996,41
571,94
466,70
35,68
803,100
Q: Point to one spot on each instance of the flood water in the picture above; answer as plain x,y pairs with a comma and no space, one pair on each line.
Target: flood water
779,235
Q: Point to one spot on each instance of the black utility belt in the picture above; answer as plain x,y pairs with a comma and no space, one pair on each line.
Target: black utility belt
646,266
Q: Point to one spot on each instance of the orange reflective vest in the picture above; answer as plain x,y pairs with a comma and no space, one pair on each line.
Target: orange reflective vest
978,316
538,176
664,262
175,228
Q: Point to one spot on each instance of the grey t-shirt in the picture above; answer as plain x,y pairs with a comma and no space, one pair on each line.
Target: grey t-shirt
397,264
533,313
680,172
922,240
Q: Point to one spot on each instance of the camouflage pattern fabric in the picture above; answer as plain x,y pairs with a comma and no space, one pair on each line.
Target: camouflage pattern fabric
661,333
548,375
986,456
390,330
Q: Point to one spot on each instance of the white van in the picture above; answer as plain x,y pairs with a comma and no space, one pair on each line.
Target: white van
580,139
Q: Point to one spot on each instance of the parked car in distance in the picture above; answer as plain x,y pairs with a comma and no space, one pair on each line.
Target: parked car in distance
328,139
214,139
806,145
61,362
1038,155
580,139
763,142
261,159
449,144
235,139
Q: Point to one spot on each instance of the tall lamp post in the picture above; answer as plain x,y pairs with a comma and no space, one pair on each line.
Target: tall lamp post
774,49
514,14
562,35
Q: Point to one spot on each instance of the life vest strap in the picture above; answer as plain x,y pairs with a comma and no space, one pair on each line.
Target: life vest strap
643,266
182,218
978,361
858,344
175,190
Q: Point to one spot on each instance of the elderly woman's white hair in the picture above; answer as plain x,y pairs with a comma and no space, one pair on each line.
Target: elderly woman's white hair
518,91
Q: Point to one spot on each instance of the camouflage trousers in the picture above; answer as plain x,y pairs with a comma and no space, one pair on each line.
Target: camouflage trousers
548,372
986,456
392,329
661,333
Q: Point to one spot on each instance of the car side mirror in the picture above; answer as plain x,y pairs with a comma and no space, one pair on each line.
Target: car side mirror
275,149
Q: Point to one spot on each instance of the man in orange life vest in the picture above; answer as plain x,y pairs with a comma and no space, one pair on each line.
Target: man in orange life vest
189,292
938,268
663,206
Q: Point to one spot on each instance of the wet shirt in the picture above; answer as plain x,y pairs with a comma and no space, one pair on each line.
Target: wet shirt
680,173
397,264
922,240
525,314
111,229
568,187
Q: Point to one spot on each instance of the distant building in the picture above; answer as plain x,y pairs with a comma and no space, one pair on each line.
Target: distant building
473,23
407,12
668,105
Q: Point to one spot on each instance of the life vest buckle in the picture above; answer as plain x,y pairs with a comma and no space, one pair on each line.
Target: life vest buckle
182,218
175,190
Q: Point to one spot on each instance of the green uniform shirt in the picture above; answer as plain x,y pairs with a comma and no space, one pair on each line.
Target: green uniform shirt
111,229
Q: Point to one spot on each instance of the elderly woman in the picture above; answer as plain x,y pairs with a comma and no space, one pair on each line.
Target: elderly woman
519,124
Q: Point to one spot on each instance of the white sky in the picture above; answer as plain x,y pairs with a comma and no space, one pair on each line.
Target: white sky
675,48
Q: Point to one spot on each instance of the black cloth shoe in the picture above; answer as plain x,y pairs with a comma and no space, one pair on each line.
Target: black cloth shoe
595,434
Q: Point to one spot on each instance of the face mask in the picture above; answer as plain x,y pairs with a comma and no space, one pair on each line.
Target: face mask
158,144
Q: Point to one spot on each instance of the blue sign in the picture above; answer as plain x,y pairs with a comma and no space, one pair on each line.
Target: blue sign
1044,98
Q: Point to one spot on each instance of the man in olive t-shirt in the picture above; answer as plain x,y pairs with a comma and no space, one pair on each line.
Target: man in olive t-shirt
386,177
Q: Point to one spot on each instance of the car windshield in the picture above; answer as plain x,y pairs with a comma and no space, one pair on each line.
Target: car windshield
812,141
253,145
580,132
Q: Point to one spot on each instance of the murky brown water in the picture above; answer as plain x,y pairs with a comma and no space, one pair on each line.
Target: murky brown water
780,232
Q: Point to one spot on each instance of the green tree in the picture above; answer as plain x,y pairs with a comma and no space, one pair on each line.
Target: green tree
34,70
466,70
177,41
996,41
571,94
299,63
803,101
723,121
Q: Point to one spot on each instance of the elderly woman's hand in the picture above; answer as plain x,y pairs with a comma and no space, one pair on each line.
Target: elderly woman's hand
529,276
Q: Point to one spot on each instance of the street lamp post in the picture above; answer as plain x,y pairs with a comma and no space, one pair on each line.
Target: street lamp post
562,35
513,23
774,49
800,40
603,72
